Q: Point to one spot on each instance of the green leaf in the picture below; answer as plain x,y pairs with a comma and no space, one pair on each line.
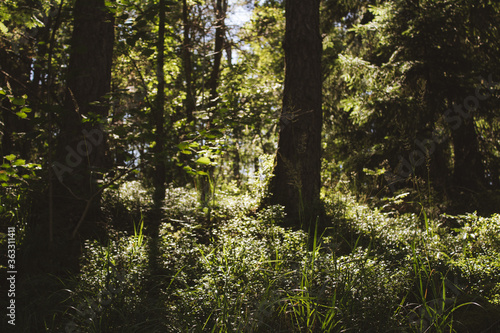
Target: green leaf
202,173
183,145
21,115
17,101
189,170
3,28
3,176
10,157
187,152
33,166
19,162
203,160
10,171
26,109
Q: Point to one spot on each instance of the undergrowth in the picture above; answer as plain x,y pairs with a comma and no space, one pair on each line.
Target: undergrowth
238,270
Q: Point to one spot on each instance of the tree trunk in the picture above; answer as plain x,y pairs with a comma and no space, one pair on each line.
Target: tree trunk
220,30
81,145
237,156
296,182
468,170
158,118
189,102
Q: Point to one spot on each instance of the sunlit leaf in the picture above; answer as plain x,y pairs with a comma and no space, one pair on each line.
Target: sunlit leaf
3,176
19,162
203,160
3,28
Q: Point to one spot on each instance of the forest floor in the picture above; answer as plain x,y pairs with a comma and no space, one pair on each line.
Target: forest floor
228,267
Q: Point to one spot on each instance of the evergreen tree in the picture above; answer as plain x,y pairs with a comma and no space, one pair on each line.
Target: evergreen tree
296,177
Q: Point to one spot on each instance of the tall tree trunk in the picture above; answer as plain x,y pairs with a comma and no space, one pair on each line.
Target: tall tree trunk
158,116
81,144
220,30
158,119
189,102
296,182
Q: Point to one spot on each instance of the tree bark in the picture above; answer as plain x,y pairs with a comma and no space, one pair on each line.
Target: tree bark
468,170
296,182
158,116
158,119
220,30
189,102
81,145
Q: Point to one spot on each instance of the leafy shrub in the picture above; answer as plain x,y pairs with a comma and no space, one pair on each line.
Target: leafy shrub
370,271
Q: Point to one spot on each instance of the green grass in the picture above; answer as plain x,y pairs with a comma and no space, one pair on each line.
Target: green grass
242,272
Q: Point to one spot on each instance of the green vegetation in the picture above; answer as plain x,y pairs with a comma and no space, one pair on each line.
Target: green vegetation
321,166
241,271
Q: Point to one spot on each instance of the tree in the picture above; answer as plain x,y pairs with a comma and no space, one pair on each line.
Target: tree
158,119
81,144
296,176
189,101
220,28
157,114
407,83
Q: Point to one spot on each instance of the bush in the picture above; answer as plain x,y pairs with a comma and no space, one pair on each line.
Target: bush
239,270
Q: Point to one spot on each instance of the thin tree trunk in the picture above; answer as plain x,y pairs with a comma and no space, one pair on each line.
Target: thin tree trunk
189,102
158,118
237,156
158,113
